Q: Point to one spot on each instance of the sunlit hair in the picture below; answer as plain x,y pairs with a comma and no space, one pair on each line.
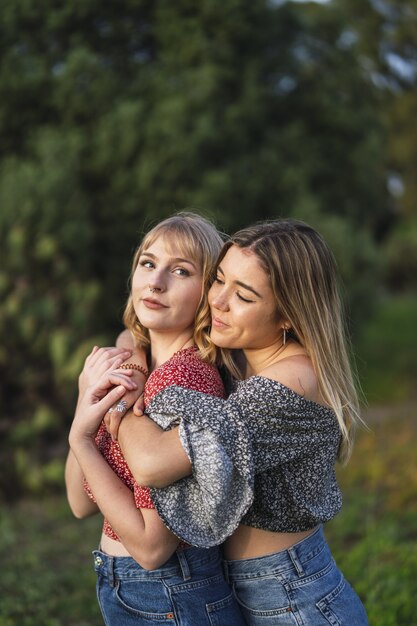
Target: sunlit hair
304,281
198,240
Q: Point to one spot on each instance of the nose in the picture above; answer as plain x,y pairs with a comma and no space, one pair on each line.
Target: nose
218,298
157,282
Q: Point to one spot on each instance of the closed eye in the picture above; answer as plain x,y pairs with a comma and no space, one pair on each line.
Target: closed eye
243,299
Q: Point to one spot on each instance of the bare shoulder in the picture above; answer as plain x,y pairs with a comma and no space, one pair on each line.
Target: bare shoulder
125,340
297,373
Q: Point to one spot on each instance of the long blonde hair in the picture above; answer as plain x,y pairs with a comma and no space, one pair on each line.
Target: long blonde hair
199,240
304,280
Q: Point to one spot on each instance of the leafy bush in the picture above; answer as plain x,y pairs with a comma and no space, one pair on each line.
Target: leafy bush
374,539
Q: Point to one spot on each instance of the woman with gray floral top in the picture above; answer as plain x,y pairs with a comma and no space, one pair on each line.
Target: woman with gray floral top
256,471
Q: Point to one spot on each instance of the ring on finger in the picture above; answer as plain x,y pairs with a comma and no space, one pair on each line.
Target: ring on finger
120,407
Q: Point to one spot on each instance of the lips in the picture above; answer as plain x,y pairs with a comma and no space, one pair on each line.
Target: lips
151,303
218,323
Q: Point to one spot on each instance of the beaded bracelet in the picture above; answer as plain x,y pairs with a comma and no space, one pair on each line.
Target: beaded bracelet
133,366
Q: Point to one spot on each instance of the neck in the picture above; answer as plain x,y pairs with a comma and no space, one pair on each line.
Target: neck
164,345
259,359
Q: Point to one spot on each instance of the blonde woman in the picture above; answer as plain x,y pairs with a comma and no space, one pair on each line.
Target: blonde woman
263,461
144,573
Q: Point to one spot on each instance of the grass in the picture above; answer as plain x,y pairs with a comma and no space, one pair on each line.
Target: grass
47,575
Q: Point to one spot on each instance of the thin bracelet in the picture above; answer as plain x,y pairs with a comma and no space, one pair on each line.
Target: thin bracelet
134,366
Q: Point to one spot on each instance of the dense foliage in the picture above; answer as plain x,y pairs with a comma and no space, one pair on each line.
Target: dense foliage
116,114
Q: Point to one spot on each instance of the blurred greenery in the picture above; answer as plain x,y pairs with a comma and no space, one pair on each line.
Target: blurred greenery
374,538
387,352
48,577
114,115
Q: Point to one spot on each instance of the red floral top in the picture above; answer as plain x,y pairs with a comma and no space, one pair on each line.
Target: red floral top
184,368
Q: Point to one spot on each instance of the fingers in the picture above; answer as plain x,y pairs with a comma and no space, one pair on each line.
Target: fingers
139,406
99,362
95,392
116,378
112,422
91,355
116,412
106,357
112,397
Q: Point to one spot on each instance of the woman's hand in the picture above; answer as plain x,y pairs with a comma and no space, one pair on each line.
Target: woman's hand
105,360
99,362
112,421
96,400
113,418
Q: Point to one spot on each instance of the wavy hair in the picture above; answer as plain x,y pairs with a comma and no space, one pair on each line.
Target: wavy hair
199,240
304,280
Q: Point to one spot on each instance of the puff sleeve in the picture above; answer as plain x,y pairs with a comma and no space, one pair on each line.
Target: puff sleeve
205,508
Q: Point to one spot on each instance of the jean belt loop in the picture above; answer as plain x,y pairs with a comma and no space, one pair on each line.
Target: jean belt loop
186,574
295,561
225,570
110,570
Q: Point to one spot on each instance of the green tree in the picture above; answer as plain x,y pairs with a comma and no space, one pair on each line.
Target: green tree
115,114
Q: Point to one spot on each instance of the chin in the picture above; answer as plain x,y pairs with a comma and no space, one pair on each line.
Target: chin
219,341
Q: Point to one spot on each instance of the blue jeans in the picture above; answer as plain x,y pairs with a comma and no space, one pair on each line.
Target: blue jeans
188,590
301,586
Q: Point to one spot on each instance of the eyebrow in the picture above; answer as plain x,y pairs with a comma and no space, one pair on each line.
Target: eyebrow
177,259
244,285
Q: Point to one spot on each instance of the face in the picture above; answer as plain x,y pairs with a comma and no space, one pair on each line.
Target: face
243,310
166,288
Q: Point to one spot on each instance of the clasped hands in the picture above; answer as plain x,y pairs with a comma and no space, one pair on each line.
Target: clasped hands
106,392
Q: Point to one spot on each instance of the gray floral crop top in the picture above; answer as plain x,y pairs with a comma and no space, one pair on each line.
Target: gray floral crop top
264,457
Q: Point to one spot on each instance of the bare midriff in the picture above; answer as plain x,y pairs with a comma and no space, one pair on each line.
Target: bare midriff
245,543
112,547
248,543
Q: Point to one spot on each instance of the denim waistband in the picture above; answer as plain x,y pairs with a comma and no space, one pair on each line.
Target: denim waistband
184,563
293,558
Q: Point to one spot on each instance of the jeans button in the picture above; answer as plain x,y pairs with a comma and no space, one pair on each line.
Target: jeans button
98,561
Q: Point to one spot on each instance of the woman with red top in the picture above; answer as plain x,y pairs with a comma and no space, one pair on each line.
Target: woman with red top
144,573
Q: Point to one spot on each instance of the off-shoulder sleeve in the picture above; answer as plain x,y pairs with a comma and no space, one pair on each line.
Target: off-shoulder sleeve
205,508
261,427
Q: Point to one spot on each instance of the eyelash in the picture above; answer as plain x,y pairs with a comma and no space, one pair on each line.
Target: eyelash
242,298
185,272
150,265
219,281
146,264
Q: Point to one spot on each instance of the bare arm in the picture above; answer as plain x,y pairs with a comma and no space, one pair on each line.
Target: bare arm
156,457
80,504
143,535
